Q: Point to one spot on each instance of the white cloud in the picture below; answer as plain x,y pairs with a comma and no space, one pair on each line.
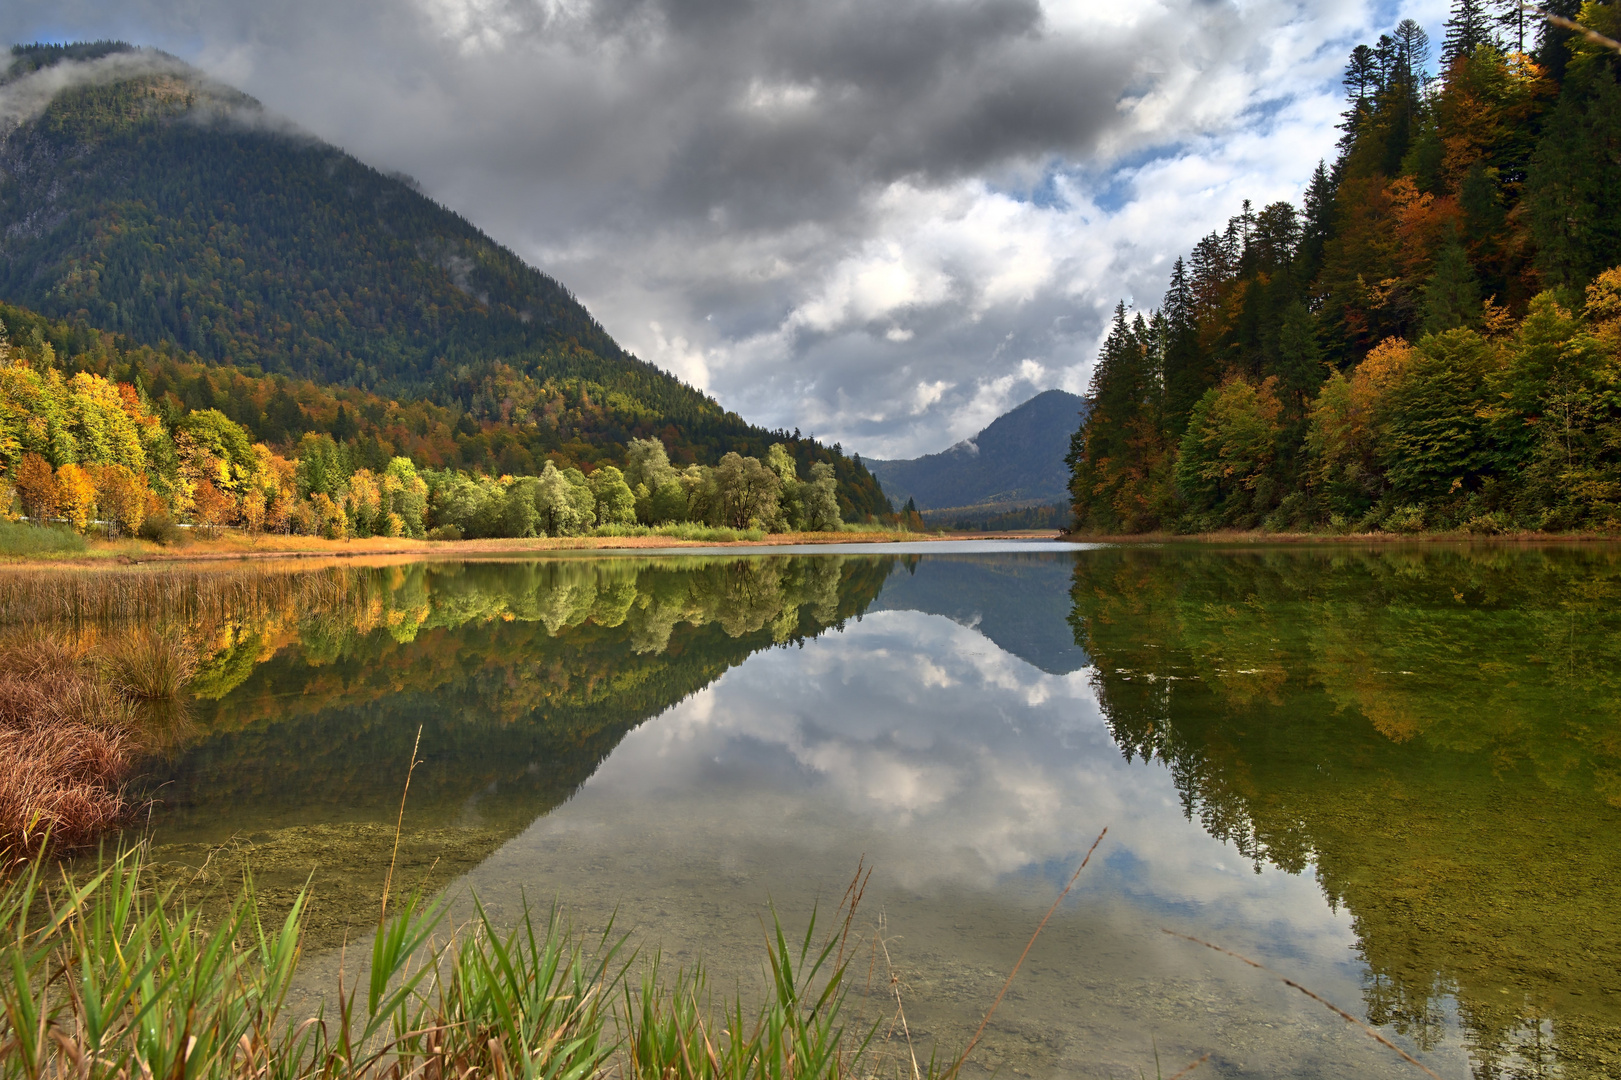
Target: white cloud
788,202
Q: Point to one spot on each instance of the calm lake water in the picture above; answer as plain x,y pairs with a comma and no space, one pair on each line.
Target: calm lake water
1392,774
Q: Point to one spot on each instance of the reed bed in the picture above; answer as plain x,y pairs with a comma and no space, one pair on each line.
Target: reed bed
65,745
179,595
108,981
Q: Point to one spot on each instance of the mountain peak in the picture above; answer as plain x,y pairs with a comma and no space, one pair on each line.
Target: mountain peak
1017,460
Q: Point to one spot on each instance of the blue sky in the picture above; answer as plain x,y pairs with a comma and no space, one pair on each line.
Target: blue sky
884,222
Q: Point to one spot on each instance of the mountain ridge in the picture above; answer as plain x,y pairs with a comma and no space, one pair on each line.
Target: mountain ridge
142,198
1015,460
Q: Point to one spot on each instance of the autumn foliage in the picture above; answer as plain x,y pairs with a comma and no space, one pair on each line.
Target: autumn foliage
1432,340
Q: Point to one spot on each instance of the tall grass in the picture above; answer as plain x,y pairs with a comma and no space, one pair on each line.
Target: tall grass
151,664
106,981
185,596
18,538
69,729
65,745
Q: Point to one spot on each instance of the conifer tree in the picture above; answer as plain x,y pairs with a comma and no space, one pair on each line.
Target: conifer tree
1452,295
1318,226
1185,378
1468,27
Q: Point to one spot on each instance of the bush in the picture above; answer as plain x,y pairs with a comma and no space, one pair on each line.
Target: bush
445,532
1408,519
161,529
19,538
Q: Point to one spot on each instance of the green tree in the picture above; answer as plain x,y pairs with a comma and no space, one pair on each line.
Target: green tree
1229,447
1434,437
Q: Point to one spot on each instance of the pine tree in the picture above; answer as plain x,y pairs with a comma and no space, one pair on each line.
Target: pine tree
1468,28
1452,295
1318,227
1184,375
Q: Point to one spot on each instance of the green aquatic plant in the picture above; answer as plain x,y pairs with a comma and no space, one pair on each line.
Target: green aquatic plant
106,979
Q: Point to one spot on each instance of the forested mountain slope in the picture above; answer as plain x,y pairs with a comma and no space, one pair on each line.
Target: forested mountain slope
1017,460
1432,341
140,198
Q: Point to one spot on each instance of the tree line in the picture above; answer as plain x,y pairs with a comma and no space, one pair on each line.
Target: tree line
95,451
1432,340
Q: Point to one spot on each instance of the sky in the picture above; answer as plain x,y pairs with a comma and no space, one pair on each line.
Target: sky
883,222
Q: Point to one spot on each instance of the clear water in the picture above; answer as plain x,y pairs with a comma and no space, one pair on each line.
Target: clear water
1391,774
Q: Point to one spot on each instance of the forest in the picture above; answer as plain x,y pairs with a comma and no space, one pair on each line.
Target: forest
136,442
1431,342
160,228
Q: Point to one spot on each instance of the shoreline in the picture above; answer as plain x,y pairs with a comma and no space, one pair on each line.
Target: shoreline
1257,538
235,548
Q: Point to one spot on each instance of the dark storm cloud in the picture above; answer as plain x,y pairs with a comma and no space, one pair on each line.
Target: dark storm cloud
802,205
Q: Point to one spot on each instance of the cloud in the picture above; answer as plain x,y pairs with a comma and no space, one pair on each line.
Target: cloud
812,208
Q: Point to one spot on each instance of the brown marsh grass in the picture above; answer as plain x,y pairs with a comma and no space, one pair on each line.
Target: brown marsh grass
152,665
66,745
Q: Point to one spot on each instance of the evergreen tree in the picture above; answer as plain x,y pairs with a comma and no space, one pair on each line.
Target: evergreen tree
1452,295
1318,226
1573,188
1468,27
1300,359
1185,375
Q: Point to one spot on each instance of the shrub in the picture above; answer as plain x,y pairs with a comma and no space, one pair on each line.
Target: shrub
445,532
160,528
21,538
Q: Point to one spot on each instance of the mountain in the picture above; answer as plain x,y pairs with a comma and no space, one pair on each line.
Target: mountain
139,197
1017,461
1019,602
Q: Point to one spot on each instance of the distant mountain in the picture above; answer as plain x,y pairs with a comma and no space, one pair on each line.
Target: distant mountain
1020,602
1017,461
140,197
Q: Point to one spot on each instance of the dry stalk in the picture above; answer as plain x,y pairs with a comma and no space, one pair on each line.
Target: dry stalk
957,1065
1341,1013
399,824
1570,24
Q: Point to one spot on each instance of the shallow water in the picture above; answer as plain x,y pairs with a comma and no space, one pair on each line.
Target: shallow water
1391,774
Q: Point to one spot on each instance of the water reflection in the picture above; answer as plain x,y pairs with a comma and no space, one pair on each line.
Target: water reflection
1433,732
1394,773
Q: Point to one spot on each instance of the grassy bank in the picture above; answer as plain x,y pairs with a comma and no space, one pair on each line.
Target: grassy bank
19,544
106,979
69,717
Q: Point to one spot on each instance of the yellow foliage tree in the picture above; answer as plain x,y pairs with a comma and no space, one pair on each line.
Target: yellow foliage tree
122,496
78,495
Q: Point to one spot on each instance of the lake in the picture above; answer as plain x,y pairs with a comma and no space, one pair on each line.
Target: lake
1389,773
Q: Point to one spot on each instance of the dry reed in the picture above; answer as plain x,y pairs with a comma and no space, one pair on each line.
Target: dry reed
151,664
66,745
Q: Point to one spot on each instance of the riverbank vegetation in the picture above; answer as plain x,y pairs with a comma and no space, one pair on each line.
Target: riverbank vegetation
1433,341
137,443
108,980
67,722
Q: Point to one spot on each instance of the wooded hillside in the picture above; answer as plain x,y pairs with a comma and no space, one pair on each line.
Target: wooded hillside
161,220
1433,340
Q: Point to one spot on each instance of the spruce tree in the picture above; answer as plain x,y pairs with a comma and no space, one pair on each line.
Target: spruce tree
1452,295
1318,227
1184,375
1300,358
1468,28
